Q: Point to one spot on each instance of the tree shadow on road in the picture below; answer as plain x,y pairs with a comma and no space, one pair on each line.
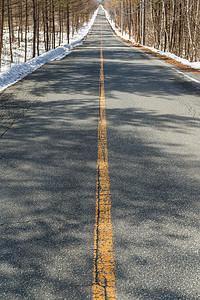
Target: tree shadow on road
48,182
155,188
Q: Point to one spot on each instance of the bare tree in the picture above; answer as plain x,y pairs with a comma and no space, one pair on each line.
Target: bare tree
2,27
171,25
34,26
10,31
25,19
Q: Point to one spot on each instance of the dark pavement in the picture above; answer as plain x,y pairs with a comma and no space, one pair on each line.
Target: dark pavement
48,161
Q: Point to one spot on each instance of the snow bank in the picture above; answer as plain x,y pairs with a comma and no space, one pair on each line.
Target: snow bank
116,29
16,73
194,65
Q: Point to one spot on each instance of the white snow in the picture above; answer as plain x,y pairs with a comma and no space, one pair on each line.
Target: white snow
194,65
17,72
117,29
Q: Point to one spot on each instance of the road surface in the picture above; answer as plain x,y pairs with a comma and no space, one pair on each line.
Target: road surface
100,178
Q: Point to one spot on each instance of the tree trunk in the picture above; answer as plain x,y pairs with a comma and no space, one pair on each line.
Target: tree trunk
53,26
2,27
173,26
60,26
38,28
34,27
47,25
26,24
152,22
190,53
44,25
68,23
196,31
162,26
10,31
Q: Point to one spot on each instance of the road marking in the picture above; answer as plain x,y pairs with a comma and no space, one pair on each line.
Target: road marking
105,47
104,287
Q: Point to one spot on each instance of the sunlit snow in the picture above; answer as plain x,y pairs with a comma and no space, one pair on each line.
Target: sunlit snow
19,71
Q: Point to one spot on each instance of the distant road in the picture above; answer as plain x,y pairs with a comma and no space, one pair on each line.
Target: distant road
100,178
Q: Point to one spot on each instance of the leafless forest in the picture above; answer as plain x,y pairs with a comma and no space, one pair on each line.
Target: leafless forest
169,25
45,19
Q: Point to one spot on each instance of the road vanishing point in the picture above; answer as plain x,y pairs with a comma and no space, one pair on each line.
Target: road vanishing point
100,178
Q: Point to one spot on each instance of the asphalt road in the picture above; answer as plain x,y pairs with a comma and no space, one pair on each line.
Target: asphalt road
48,162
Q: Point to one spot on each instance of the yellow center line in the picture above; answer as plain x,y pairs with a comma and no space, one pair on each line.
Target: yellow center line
104,286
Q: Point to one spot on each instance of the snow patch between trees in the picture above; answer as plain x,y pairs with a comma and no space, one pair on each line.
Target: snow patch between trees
18,72
194,65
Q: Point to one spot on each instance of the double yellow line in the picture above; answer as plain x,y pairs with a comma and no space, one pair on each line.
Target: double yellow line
104,287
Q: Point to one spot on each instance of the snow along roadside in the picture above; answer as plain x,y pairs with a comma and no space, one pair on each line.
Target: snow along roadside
16,73
194,65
